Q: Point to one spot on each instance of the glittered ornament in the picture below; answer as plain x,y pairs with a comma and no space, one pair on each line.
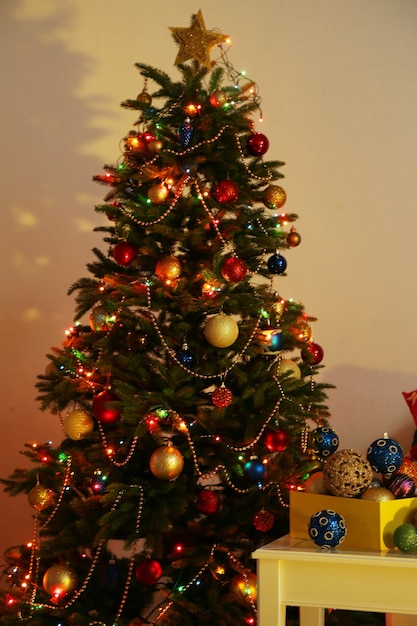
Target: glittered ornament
293,238
185,132
257,144
184,356
244,588
401,485
312,353
234,269
377,494
77,424
405,538
168,268
277,264
385,455
102,412
222,397
347,473
158,193
208,502
226,192
101,320
409,467
288,368
166,462
276,440
221,331
254,470
148,571
59,580
327,529
263,521
325,441
274,197
40,497
218,98
124,253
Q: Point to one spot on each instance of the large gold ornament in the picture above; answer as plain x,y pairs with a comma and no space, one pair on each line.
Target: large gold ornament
168,268
40,497
77,424
196,42
347,473
274,197
221,331
166,462
59,580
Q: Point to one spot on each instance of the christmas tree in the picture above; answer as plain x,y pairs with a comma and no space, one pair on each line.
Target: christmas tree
186,386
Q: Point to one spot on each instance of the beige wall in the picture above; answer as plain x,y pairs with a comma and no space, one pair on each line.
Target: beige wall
338,79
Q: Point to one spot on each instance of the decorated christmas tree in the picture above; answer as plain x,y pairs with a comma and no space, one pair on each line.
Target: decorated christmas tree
186,385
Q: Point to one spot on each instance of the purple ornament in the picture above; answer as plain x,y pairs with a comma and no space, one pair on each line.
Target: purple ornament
402,486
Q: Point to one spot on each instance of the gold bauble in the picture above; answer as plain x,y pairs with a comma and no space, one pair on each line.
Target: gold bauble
168,268
377,494
77,424
274,197
221,331
145,98
290,368
157,194
59,580
314,483
40,497
166,462
155,146
347,473
244,588
218,98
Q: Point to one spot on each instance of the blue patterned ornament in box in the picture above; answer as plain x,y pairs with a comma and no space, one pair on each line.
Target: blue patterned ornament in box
385,455
325,441
327,528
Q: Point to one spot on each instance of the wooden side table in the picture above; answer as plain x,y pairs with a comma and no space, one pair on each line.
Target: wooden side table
295,572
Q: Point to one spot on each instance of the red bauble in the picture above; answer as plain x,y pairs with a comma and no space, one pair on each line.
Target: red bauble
276,440
257,144
124,253
148,571
226,192
263,521
312,353
101,412
234,270
208,502
222,397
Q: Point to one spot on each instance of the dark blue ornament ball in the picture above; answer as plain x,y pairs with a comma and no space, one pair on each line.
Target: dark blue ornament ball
255,470
385,456
327,529
185,357
277,264
325,441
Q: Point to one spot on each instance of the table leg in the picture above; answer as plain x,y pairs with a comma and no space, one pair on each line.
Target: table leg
271,610
400,620
311,616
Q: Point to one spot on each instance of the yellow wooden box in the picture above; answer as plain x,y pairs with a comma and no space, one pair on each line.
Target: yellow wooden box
370,525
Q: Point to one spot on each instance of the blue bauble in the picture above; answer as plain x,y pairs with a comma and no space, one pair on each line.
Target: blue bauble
255,470
385,456
327,529
277,264
325,441
185,357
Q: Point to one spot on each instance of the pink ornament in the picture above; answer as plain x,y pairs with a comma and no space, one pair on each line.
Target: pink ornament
124,253
234,270
226,192
257,144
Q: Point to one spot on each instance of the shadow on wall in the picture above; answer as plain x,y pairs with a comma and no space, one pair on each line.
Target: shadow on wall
47,221
362,394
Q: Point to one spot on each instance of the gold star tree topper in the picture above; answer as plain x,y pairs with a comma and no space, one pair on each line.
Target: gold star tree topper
196,42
